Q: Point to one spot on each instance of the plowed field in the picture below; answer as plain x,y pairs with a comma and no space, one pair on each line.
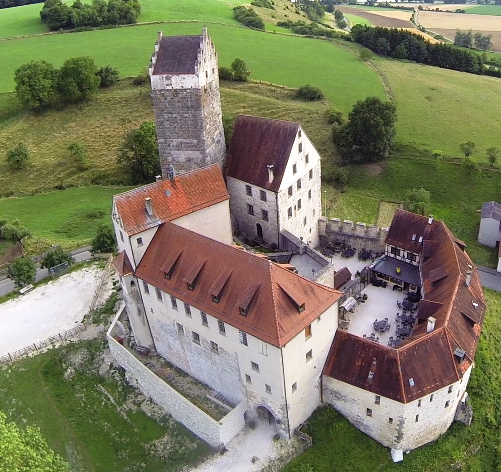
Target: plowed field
435,19
378,18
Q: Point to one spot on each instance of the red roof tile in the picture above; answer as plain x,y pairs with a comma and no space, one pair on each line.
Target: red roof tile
186,194
272,314
122,264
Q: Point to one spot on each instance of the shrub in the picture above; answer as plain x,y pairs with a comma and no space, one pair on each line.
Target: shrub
309,93
342,175
78,153
335,116
108,76
56,255
225,73
18,157
248,17
263,4
240,71
469,165
22,271
140,79
105,239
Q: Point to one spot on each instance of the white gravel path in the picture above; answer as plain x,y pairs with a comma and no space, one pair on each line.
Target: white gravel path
47,310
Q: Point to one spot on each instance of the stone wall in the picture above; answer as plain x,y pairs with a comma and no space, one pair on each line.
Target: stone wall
211,431
356,234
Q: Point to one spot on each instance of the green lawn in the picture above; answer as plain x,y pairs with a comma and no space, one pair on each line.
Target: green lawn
20,21
339,446
95,423
440,108
357,20
485,10
69,217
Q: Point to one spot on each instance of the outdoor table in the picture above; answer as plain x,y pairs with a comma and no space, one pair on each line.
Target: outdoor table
404,331
408,305
407,318
380,325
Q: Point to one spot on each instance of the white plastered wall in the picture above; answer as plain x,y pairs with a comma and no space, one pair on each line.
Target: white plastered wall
488,234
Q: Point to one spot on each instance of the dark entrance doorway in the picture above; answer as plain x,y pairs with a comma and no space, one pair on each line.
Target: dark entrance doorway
259,229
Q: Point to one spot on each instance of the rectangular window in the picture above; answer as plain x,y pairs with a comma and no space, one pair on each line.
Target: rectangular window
255,366
173,302
309,355
417,418
431,397
450,389
159,294
222,327
214,347
264,215
411,257
121,236
300,147
250,209
294,168
395,251
196,337
248,378
304,221
204,318
289,191
187,309
419,404
309,194
146,287
242,337
299,184
263,348
307,159
447,403
294,387
299,134
139,242
368,412
268,388
377,400
180,328
289,212
262,195
299,204
215,298
390,420
248,190
307,332
310,175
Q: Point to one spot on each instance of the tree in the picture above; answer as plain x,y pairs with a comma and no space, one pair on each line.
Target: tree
15,231
77,79
467,148
56,255
469,165
22,271
369,133
108,76
492,155
36,85
104,240
78,152
225,73
26,450
58,15
18,157
365,54
417,201
139,154
240,71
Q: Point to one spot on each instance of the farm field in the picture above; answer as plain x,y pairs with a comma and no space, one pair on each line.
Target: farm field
97,424
432,19
485,10
379,18
496,37
444,108
357,20
20,21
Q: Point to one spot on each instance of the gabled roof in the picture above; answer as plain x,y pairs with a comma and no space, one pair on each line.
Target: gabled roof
257,143
170,199
408,231
178,55
341,277
491,210
271,305
122,264
425,362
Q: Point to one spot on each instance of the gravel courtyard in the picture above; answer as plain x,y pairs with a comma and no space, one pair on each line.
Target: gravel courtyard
47,310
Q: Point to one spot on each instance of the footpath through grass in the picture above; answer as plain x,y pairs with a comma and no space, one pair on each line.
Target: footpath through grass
97,424
337,445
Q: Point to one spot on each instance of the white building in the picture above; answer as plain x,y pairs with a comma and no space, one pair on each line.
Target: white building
273,178
490,218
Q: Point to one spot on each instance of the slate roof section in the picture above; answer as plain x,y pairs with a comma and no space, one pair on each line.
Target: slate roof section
491,210
271,312
257,143
186,194
178,55
122,264
426,358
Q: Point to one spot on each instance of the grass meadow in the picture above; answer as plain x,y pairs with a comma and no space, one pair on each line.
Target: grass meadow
485,10
21,21
337,445
95,423
357,20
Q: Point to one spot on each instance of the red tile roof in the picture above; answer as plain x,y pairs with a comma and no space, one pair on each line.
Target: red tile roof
426,358
122,264
257,143
186,194
269,293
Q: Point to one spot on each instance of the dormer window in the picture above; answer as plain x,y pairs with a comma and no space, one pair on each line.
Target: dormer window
244,302
170,265
217,288
216,298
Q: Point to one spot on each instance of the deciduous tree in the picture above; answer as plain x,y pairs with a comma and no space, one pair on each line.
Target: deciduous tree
492,155
467,148
77,79
56,255
240,71
15,231
104,240
23,272
417,201
36,84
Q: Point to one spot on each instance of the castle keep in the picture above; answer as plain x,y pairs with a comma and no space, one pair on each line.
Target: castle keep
186,102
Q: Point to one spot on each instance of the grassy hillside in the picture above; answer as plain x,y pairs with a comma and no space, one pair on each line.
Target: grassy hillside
357,20
439,108
20,21
337,445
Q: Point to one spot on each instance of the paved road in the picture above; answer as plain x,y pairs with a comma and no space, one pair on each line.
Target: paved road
79,255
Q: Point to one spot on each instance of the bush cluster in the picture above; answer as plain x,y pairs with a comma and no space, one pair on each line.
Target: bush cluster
263,4
248,17
238,71
403,44
304,29
58,15
309,93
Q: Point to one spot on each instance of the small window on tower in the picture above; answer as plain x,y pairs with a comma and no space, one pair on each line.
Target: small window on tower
262,195
294,168
250,209
289,191
309,194
311,174
264,215
289,212
248,190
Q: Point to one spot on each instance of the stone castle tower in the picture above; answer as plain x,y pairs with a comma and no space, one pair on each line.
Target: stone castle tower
186,102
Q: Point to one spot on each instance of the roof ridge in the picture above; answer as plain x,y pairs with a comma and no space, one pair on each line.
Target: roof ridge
404,396
274,299
447,334
263,118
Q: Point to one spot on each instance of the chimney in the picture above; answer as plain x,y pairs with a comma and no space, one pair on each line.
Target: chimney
430,219
431,324
149,207
158,178
270,173
468,278
170,172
